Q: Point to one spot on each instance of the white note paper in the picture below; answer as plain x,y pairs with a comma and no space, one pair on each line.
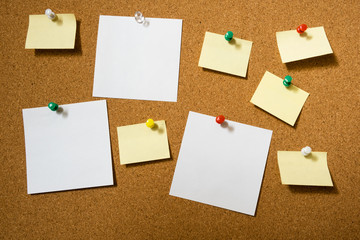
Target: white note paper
221,165
67,149
137,61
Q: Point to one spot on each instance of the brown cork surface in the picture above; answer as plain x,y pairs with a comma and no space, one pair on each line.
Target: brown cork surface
139,205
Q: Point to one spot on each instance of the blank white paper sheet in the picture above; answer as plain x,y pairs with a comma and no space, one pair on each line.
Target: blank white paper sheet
137,61
221,165
68,148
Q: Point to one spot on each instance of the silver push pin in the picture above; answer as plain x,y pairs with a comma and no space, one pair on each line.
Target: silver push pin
139,17
306,151
50,14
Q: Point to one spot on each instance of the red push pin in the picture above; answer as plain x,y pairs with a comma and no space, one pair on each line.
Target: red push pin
302,28
220,119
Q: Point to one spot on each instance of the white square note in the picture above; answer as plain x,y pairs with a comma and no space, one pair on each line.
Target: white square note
67,149
137,61
221,165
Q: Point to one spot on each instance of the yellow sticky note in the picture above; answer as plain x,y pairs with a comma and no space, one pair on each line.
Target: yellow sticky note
296,169
139,143
294,46
223,56
283,102
44,33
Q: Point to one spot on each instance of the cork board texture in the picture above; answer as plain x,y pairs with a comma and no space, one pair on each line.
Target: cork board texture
138,206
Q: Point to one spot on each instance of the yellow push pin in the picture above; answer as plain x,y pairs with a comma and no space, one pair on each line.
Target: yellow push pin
150,123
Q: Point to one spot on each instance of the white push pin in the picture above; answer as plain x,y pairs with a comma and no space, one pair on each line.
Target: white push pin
139,17
306,151
50,14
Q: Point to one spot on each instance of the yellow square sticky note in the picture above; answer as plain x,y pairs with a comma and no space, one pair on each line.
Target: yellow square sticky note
139,143
223,56
296,169
283,102
44,33
294,46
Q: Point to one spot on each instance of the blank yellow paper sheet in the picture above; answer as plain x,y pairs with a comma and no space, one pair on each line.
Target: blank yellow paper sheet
223,56
139,143
44,33
294,46
296,169
283,102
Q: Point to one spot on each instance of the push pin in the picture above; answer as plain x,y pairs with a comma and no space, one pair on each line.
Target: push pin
228,36
50,14
220,119
306,151
53,106
287,81
139,17
302,28
150,123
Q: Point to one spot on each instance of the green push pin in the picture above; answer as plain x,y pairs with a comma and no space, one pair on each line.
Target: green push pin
228,36
287,81
53,106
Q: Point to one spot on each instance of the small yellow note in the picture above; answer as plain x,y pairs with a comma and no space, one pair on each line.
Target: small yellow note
44,33
294,46
223,56
296,169
139,143
283,102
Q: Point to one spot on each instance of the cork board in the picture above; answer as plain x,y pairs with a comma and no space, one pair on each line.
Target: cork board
139,205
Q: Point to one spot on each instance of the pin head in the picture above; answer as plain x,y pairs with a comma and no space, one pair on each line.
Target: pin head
139,17
306,151
53,106
229,35
150,123
302,28
220,119
50,14
287,81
